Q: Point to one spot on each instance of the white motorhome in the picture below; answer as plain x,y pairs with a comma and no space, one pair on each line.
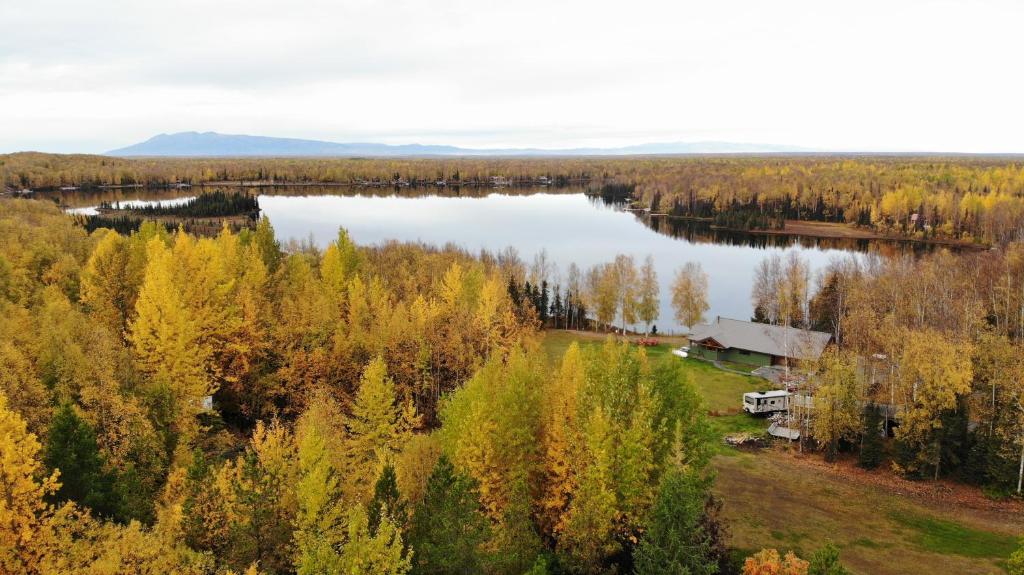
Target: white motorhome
757,402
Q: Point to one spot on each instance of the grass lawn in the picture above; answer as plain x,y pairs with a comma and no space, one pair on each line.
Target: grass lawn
952,538
773,500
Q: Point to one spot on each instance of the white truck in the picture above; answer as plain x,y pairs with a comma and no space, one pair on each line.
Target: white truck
758,402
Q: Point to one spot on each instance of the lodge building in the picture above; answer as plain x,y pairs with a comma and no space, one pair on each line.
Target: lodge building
756,344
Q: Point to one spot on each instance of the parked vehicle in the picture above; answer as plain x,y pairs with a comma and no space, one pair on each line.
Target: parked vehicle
758,402
681,352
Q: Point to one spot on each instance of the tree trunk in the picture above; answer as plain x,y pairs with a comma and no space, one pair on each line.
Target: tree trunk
1020,471
992,415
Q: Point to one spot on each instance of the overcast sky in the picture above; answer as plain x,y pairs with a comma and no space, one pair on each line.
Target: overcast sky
899,75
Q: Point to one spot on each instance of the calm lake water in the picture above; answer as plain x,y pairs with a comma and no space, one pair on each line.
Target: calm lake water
572,227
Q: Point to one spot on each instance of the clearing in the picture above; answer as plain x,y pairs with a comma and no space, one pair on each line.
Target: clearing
883,524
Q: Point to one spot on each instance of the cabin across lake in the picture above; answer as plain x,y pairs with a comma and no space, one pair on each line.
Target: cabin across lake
755,344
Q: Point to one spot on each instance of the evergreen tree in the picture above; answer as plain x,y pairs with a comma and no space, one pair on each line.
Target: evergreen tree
871,448
447,528
717,532
556,308
542,303
953,436
825,561
386,500
71,448
513,292
675,541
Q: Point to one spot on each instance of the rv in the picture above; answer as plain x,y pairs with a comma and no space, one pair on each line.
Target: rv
758,402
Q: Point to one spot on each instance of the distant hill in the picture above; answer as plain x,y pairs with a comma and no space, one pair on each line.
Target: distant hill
199,144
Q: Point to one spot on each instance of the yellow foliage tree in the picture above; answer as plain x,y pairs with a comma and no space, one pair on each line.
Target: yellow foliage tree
166,339
561,441
768,562
589,531
110,282
24,515
934,373
320,516
377,428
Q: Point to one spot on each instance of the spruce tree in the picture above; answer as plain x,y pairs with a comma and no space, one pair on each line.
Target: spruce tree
386,500
447,527
871,450
675,541
542,302
71,447
556,308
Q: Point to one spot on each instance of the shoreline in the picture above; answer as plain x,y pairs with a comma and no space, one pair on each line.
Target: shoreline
834,230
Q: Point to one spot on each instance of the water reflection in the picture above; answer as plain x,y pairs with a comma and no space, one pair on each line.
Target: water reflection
571,227
699,231
569,224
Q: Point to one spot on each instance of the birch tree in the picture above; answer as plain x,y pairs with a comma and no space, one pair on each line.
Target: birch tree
648,302
933,373
690,294
625,282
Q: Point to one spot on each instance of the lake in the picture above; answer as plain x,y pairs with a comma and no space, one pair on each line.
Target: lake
571,226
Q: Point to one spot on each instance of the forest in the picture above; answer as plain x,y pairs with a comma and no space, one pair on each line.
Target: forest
227,404
966,198
934,341
171,403
217,203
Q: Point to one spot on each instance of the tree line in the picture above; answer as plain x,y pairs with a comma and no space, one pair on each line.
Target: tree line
217,203
961,198
928,352
614,295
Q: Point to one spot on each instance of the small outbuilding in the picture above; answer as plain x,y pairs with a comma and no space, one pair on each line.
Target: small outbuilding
756,344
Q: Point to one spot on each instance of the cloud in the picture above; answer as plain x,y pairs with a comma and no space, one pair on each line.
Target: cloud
918,74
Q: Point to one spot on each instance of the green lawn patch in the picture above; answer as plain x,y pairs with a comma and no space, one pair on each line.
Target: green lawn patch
722,390
952,538
867,543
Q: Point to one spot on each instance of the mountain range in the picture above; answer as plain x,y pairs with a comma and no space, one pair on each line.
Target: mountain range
213,144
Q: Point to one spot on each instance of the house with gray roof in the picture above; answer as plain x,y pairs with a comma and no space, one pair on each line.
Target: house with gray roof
756,344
